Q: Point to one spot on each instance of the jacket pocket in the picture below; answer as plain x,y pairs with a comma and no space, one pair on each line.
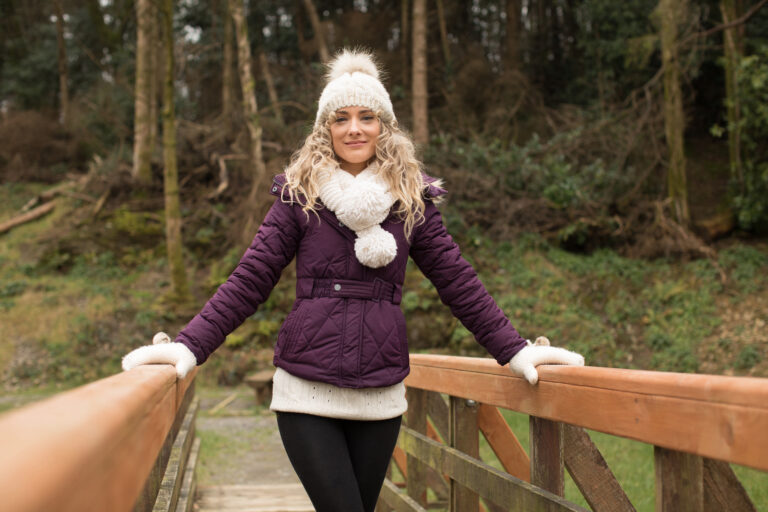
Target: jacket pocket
402,338
292,327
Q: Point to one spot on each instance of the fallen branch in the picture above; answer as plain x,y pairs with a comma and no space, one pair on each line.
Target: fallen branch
27,217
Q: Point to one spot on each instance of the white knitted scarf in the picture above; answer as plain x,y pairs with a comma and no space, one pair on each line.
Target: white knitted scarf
362,203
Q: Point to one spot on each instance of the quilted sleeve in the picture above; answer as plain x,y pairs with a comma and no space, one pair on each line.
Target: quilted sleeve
249,285
439,258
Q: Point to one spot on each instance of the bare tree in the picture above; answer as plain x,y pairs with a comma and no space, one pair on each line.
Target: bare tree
63,74
669,15
420,113
142,115
271,89
733,45
174,246
405,15
227,76
317,27
248,86
512,36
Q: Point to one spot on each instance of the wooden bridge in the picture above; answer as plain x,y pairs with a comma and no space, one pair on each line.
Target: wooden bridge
128,442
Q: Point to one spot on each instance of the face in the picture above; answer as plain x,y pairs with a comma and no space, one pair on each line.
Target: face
354,133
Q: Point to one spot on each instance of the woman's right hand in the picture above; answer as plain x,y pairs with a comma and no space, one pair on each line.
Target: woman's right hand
162,351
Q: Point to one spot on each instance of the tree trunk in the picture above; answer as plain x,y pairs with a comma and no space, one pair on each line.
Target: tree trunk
322,47
142,115
512,36
248,86
270,87
670,13
180,290
155,76
733,46
444,38
227,76
404,17
419,36
63,80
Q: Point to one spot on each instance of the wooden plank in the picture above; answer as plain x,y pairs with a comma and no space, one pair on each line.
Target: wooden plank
398,501
400,459
417,420
253,498
146,500
100,442
492,484
679,481
189,486
464,436
547,455
746,391
437,410
715,429
723,490
591,473
170,487
504,442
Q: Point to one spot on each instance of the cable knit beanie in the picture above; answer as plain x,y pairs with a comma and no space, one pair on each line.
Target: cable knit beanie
353,81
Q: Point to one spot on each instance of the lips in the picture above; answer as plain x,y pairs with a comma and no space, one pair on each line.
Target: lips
355,143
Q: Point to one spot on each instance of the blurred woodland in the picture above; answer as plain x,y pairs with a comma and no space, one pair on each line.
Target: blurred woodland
636,126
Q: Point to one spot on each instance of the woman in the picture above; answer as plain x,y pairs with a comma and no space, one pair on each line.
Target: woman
352,206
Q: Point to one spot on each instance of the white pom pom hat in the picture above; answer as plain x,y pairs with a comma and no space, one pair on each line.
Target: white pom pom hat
353,81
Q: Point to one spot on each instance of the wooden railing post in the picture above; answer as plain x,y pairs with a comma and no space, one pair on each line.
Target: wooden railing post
679,480
417,420
463,434
547,455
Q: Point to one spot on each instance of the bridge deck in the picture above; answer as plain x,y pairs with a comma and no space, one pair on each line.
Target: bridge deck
253,498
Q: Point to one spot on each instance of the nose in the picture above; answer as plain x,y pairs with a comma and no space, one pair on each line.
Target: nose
354,125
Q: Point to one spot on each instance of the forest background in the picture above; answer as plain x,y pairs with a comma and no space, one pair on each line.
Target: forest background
606,166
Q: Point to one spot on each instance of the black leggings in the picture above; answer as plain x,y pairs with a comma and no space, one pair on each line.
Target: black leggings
341,463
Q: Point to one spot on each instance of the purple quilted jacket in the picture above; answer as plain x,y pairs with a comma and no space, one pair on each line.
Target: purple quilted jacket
346,327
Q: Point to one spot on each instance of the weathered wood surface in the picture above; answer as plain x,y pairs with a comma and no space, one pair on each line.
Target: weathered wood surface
464,437
253,498
395,500
723,490
504,442
546,441
492,484
189,486
679,481
417,420
261,383
591,473
170,487
724,418
99,441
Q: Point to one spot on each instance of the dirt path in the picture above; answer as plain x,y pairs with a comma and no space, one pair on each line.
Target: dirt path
240,442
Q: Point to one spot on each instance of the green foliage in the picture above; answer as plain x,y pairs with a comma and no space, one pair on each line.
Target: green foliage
751,196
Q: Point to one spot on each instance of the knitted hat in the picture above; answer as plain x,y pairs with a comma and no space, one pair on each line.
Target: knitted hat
353,81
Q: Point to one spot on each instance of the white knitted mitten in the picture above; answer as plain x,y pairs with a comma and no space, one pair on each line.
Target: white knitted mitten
525,362
162,352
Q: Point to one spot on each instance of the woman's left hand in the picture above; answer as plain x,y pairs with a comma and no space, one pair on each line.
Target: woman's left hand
525,362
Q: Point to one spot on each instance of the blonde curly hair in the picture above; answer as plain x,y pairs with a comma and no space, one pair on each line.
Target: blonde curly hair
395,154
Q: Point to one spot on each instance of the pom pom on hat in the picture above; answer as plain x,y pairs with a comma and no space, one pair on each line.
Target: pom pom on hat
353,81
352,62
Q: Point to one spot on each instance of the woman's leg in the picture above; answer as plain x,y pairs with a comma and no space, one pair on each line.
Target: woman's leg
317,449
371,444
341,463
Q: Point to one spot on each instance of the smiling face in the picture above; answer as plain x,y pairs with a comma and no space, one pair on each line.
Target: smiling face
354,133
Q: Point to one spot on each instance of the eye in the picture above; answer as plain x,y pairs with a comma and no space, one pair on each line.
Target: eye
340,119
369,117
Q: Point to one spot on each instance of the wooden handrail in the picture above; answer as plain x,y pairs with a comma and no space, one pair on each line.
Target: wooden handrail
719,417
91,448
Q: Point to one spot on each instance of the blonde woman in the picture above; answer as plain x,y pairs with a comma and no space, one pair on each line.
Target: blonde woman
352,206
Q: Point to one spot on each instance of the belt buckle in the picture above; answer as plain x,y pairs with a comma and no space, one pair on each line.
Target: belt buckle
378,286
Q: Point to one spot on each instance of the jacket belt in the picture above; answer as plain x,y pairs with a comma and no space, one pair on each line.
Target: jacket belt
376,290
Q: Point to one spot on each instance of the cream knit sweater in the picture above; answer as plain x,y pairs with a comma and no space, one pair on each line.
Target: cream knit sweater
294,394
